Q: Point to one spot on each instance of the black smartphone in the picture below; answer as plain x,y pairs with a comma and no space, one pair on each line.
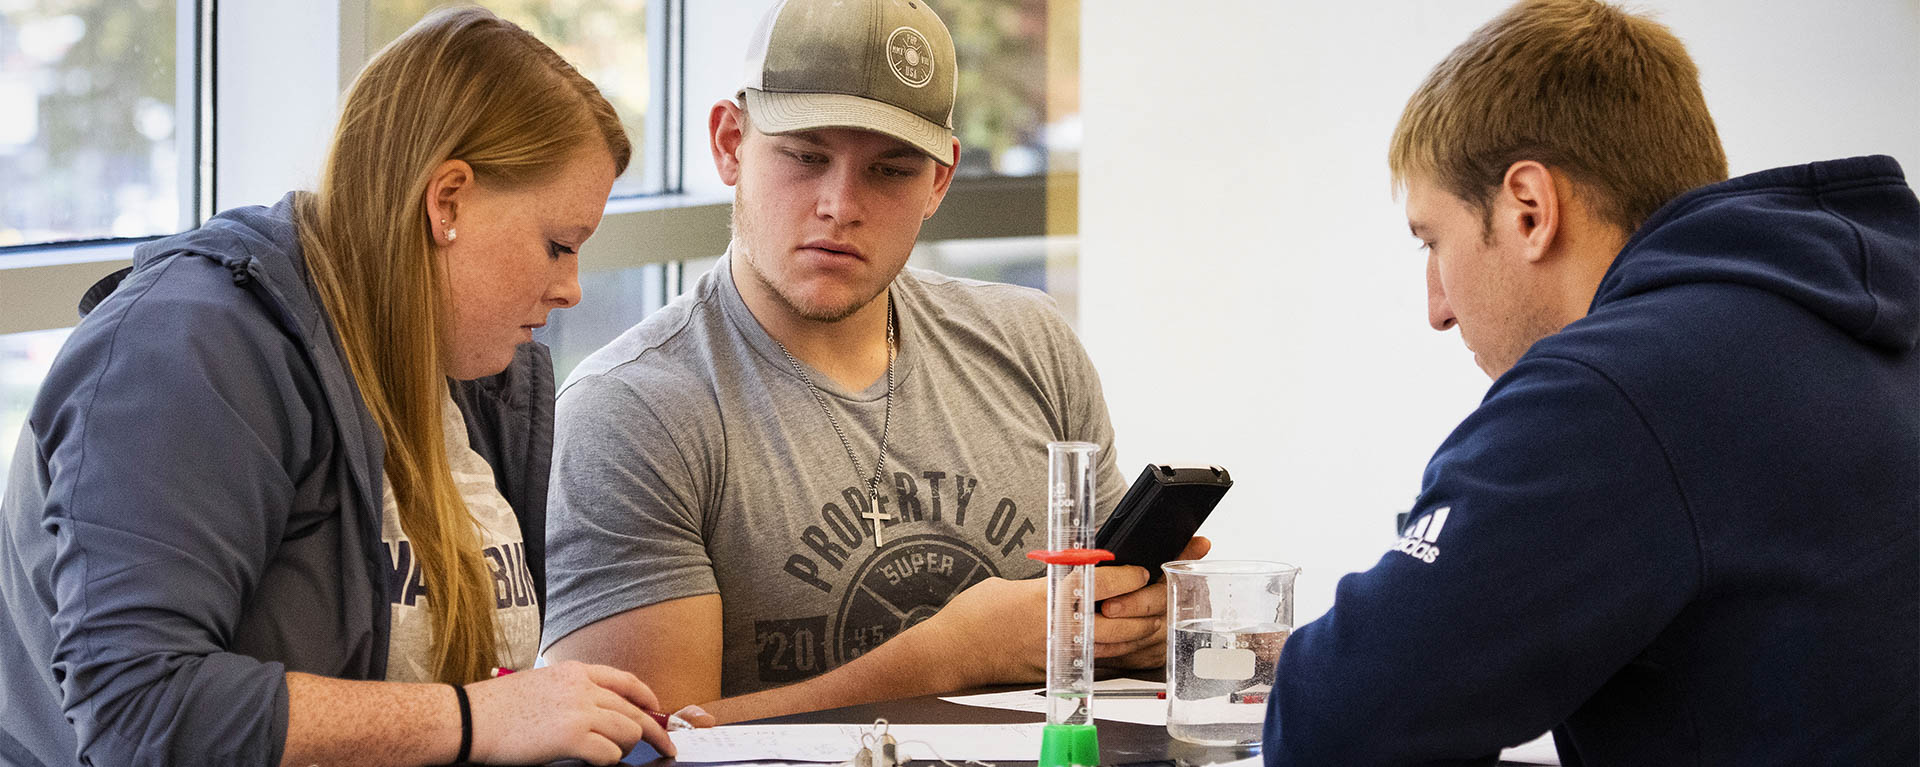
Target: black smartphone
1160,512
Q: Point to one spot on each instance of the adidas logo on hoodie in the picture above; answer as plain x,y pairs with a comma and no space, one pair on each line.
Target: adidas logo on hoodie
1419,543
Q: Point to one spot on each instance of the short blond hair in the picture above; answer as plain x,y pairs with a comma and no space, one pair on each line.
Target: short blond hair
1608,97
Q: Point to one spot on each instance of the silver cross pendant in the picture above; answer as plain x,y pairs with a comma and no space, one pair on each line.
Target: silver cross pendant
877,516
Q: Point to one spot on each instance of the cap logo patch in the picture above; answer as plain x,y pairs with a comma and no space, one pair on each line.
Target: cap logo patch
910,57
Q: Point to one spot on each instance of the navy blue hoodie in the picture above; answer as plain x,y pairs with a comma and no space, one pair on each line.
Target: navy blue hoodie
1685,530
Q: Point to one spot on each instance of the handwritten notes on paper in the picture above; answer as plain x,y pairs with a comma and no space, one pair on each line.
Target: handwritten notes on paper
839,742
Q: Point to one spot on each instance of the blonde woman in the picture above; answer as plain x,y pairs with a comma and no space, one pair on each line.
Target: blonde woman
282,497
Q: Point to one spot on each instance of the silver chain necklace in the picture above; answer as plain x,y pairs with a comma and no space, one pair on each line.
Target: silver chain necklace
873,512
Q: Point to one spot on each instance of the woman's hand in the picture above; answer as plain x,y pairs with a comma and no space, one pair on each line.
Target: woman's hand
568,710
696,716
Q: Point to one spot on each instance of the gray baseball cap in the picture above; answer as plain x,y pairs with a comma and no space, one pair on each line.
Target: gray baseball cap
880,65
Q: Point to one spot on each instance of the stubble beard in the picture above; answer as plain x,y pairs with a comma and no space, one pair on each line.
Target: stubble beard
1528,321
1532,324
743,227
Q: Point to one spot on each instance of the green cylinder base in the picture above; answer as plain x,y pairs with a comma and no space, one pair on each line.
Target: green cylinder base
1069,745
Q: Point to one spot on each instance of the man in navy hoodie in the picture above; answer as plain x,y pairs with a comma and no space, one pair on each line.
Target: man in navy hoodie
1683,527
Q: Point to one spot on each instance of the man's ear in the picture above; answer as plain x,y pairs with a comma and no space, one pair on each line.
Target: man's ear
449,183
1529,206
726,132
942,181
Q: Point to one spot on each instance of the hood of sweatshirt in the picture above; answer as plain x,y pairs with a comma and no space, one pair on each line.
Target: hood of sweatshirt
1840,238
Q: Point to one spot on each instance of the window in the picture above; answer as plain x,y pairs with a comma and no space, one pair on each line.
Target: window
1031,261
1017,110
102,137
98,142
1007,74
94,139
606,40
611,301
1017,114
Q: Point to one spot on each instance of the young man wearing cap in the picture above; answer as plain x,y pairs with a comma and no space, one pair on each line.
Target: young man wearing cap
811,481
1683,527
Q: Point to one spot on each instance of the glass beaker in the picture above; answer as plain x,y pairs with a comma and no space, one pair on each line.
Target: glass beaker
1226,622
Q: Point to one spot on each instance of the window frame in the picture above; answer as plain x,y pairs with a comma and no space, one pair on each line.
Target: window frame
236,58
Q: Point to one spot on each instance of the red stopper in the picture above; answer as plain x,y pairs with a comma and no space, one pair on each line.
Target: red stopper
1071,556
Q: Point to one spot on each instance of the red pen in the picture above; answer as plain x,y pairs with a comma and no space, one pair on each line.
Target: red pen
1125,692
666,722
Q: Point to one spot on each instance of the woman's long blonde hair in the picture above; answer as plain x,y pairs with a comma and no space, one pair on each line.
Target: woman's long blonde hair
461,84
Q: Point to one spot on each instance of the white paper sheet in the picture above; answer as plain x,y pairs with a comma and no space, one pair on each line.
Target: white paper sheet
839,742
1151,711
1537,751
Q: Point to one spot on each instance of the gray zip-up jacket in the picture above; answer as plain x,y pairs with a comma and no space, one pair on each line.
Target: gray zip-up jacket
194,509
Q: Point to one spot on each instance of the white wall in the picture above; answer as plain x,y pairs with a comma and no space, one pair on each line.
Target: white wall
1249,289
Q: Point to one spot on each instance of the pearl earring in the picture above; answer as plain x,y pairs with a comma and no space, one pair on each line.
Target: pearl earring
451,232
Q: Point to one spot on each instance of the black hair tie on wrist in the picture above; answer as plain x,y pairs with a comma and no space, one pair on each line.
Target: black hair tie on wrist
466,725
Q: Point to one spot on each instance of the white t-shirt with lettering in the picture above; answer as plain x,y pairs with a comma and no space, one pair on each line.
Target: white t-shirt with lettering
516,602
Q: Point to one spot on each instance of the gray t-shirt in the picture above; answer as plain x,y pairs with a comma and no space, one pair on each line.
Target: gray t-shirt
690,459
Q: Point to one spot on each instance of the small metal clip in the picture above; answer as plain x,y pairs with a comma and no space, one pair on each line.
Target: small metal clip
877,748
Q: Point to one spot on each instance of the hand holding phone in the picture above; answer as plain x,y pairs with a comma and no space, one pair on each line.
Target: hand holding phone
1160,512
